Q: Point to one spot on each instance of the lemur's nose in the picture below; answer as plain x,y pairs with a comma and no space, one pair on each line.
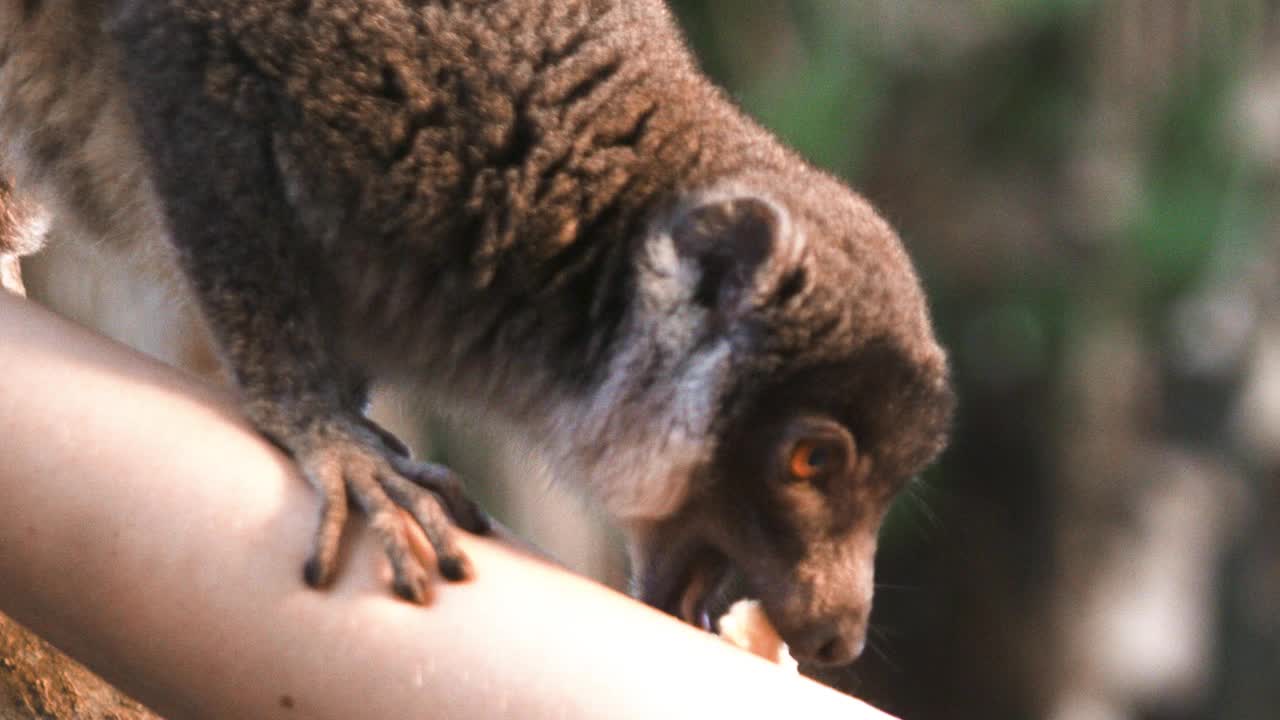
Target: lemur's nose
830,641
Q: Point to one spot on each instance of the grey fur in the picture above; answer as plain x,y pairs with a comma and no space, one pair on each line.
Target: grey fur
539,210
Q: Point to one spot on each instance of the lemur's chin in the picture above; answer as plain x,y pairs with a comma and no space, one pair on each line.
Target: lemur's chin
698,587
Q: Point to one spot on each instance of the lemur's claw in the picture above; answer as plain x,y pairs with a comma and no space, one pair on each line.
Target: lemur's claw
354,462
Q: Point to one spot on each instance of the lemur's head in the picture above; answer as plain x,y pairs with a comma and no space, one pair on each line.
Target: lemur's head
778,385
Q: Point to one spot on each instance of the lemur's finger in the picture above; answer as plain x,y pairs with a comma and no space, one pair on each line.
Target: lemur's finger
428,510
411,580
323,562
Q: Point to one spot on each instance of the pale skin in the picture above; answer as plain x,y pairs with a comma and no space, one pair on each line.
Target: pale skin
152,535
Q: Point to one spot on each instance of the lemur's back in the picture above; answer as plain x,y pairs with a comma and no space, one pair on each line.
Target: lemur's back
481,90
492,138
500,148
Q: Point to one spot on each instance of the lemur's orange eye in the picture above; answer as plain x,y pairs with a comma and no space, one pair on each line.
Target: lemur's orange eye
813,457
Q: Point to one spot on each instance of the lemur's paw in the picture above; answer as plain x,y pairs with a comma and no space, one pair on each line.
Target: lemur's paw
358,462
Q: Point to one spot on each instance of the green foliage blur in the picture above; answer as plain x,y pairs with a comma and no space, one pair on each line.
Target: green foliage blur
1089,190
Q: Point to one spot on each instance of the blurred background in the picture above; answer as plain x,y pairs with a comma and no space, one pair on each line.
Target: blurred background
1090,189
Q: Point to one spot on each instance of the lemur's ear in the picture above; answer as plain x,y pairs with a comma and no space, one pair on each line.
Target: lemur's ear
732,242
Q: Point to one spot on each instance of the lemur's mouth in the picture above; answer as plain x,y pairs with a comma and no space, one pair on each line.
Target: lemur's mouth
704,589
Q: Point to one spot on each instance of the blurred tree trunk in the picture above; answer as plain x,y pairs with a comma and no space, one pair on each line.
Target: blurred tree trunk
37,681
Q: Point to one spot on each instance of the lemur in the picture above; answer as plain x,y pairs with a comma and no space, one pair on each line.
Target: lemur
537,211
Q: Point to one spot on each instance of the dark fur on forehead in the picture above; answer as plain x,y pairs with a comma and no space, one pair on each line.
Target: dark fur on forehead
852,283
846,333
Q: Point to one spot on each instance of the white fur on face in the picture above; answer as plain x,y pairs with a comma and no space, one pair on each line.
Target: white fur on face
646,474
636,439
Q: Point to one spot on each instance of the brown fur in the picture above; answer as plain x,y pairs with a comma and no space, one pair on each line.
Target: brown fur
542,212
